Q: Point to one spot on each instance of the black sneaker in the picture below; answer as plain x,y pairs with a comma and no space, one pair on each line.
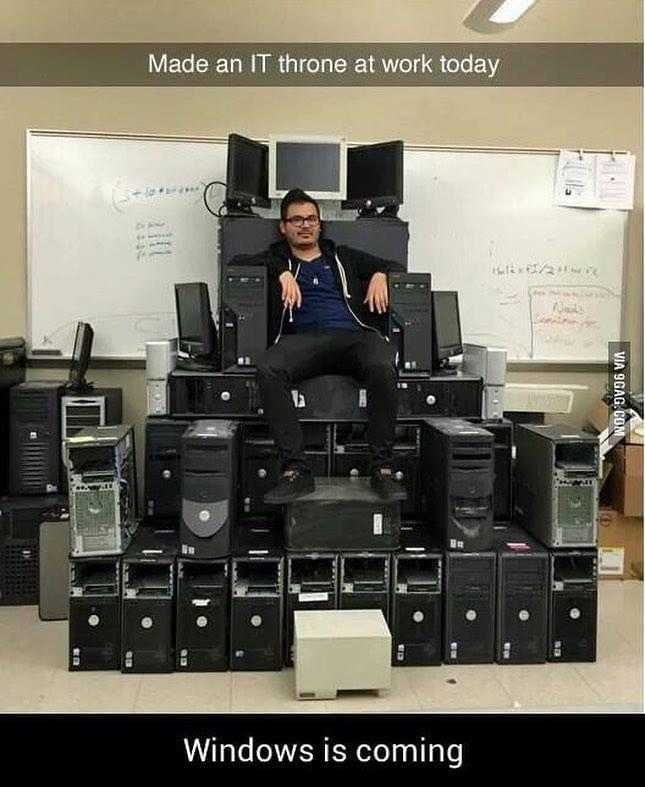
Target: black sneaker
293,483
386,485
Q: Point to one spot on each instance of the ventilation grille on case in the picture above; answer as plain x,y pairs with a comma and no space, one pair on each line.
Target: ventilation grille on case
94,510
33,466
20,573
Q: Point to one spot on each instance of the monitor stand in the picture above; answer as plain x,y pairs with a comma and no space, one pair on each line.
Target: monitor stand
80,388
367,213
390,212
240,209
445,367
197,363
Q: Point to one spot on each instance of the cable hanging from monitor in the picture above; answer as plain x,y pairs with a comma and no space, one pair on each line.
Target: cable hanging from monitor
208,207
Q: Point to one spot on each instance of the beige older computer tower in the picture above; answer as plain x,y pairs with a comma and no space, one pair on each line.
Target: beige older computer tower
340,649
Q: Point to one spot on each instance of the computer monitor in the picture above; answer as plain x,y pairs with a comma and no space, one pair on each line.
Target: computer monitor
81,355
446,328
197,335
318,165
247,175
375,178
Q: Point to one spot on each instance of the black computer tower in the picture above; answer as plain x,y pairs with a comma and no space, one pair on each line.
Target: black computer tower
243,317
469,607
522,598
416,605
163,469
95,613
457,461
556,484
213,395
260,464
12,372
20,519
410,324
148,602
203,609
342,514
365,582
35,438
209,461
502,431
257,607
351,458
312,583
573,605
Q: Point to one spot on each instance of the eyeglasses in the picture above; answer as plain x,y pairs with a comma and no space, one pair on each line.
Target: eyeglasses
300,221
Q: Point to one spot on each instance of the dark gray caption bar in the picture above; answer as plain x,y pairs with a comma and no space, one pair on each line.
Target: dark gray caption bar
321,65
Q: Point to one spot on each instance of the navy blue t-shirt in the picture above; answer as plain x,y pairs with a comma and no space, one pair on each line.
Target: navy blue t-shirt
323,304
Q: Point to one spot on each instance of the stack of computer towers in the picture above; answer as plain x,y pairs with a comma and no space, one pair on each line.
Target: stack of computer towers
556,500
209,459
458,483
101,473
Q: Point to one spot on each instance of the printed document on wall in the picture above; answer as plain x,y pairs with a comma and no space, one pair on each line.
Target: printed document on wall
595,180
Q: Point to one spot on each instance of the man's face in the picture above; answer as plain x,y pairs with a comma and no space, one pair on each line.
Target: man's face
301,225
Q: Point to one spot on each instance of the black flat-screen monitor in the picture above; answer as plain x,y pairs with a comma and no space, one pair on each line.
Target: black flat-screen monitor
446,325
195,322
374,176
247,174
81,355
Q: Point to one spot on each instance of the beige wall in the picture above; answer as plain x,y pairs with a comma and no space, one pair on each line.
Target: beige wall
546,117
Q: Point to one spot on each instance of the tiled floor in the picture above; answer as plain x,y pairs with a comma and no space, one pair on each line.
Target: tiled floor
34,677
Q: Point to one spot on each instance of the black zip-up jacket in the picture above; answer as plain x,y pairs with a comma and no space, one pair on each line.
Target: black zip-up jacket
352,273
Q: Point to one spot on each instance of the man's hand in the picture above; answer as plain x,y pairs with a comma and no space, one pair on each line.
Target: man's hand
377,297
291,295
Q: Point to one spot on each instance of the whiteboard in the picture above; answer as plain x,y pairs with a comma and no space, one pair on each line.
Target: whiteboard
112,225
115,221
545,282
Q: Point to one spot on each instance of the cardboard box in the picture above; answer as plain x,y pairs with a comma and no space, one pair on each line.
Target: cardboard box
624,488
598,416
620,545
598,419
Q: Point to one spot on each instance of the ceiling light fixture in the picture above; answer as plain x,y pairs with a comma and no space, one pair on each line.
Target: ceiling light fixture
492,16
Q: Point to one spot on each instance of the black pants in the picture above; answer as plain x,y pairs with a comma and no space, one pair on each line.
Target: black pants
364,355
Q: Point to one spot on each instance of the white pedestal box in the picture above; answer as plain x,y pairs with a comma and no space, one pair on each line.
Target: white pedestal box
340,649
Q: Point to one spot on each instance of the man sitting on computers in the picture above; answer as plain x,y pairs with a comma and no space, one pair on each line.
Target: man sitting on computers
324,304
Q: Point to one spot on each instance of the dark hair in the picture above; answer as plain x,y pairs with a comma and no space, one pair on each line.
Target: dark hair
294,197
